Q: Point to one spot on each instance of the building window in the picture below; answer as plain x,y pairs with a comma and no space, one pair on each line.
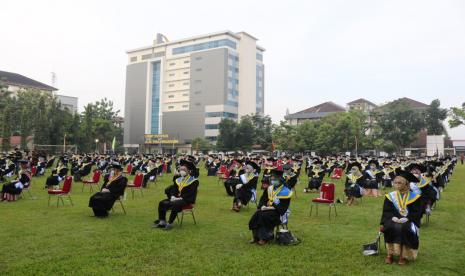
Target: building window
185,83
171,96
171,75
259,56
172,63
185,94
211,138
171,85
147,56
198,58
211,126
198,69
186,61
156,70
185,106
221,115
186,72
133,59
198,81
170,107
197,104
204,46
197,92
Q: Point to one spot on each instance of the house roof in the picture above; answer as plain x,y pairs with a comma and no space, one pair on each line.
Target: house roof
361,100
22,81
317,111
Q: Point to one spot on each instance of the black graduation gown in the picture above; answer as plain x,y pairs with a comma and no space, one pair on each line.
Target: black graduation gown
105,201
292,181
354,189
244,194
188,193
401,233
269,218
10,188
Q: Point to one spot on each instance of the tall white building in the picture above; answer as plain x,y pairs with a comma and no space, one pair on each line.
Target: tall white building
183,88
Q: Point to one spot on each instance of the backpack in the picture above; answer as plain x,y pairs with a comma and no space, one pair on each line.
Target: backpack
285,237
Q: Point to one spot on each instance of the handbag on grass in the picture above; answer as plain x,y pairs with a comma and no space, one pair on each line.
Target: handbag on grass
285,237
372,249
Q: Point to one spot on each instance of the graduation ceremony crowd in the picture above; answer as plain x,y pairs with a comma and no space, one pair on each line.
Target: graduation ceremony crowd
266,183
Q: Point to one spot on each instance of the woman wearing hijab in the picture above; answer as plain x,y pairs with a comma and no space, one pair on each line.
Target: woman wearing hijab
247,186
400,220
273,204
113,187
354,182
182,193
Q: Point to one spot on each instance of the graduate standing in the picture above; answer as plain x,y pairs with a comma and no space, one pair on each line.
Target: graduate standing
113,187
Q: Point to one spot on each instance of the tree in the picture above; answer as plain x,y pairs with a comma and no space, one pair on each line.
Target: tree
227,135
284,136
201,144
434,116
262,126
457,115
399,124
245,134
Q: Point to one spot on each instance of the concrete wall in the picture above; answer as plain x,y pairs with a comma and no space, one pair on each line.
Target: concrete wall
135,101
210,67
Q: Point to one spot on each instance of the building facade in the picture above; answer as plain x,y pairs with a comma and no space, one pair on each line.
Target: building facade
184,88
71,103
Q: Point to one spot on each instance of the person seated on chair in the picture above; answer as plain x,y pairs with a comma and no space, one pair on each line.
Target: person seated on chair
83,169
273,204
423,186
57,176
354,182
179,195
152,171
315,174
247,186
233,178
289,176
113,187
400,220
267,172
8,168
12,190
373,177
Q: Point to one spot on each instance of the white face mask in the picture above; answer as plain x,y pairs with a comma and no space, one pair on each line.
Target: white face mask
183,173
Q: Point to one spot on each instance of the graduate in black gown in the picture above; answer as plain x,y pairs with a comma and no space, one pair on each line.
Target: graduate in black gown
400,220
12,190
113,187
315,175
182,193
247,186
354,182
273,204
290,176
233,178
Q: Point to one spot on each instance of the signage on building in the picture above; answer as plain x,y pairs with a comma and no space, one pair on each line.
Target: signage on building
159,139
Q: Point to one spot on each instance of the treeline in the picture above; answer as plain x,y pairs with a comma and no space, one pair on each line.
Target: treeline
388,129
32,113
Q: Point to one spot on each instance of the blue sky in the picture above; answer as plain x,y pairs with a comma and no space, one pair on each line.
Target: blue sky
316,51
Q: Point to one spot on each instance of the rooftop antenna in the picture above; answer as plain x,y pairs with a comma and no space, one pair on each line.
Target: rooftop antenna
54,78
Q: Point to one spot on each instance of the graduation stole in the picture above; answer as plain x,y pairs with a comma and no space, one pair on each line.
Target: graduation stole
281,192
424,181
27,173
182,183
247,177
401,201
316,172
353,178
372,173
111,180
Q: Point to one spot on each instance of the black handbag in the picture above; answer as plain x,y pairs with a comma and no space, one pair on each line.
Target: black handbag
285,237
372,249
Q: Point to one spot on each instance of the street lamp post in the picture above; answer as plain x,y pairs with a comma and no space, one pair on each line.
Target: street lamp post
96,145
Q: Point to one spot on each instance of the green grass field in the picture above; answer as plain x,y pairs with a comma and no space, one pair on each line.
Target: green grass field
39,240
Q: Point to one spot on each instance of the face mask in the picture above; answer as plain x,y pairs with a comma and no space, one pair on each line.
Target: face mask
183,173
112,173
275,182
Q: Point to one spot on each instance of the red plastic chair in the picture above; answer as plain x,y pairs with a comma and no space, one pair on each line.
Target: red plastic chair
64,192
223,176
128,169
33,170
136,184
94,181
337,173
187,209
326,197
